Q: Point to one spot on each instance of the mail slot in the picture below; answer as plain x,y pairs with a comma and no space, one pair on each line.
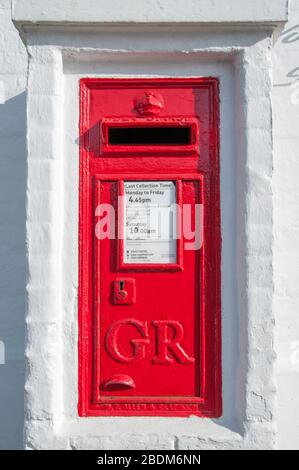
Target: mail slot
149,248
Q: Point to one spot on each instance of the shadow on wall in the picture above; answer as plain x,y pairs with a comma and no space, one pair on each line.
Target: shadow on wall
13,174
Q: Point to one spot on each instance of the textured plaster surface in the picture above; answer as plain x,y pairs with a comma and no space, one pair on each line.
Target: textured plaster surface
13,69
151,11
243,63
286,225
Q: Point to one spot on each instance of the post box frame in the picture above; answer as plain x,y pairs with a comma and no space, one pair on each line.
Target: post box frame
209,404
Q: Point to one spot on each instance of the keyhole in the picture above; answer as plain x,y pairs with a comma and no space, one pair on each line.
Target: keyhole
121,285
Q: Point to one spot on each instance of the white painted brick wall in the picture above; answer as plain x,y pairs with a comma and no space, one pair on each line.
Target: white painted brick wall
13,66
286,219
13,174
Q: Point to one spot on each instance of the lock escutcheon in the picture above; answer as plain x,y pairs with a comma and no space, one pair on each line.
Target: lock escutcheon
124,292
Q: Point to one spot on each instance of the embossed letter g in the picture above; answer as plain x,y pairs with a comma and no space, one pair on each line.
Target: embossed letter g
138,345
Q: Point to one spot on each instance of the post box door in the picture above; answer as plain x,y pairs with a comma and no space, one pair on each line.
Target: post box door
148,315
149,248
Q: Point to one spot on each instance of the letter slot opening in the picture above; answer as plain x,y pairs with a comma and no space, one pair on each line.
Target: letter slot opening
140,135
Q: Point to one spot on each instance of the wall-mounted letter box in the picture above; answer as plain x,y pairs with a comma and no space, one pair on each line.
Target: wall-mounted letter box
149,248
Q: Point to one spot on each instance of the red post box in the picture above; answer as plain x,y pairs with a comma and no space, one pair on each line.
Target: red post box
149,248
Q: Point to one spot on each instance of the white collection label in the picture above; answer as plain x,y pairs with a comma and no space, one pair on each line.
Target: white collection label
150,218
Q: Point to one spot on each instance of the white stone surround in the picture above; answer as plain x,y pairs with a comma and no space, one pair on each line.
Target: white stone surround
91,42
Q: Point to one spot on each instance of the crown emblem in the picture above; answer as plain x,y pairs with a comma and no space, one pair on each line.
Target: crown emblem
149,104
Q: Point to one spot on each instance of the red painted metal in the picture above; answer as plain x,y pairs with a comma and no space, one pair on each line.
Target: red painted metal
124,291
149,104
149,334
119,382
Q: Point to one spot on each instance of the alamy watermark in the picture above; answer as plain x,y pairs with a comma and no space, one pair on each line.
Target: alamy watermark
151,222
